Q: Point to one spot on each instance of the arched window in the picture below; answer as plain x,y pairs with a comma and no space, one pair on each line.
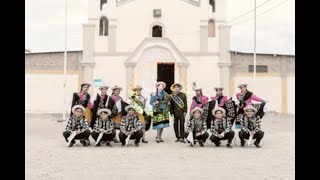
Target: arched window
156,31
213,5
211,29
102,2
103,28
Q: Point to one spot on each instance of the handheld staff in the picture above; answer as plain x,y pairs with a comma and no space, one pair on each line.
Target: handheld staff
190,138
99,138
127,140
250,140
71,137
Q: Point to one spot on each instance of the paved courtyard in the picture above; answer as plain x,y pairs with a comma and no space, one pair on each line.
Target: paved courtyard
47,156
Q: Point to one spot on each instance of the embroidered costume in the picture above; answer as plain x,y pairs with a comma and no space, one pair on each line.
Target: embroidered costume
103,124
138,102
103,101
77,124
120,105
160,117
84,100
250,124
221,126
130,123
197,125
178,108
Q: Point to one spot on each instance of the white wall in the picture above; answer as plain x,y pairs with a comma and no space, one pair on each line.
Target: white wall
101,43
291,95
112,71
267,88
205,72
44,92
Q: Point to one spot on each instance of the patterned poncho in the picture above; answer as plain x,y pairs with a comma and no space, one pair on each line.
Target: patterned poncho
250,124
197,123
75,124
130,121
220,125
106,124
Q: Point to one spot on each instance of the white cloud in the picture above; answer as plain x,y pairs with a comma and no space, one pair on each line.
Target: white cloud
275,29
45,20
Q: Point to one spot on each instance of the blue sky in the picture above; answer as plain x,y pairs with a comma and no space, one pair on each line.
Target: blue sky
44,28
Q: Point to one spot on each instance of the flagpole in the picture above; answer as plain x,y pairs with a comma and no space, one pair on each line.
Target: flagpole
65,64
254,45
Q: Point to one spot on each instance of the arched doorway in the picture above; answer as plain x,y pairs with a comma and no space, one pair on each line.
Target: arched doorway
142,65
155,64
165,73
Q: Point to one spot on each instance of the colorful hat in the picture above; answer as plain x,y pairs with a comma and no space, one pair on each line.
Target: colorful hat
129,107
136,87
73,110
104,110
176,84
101,87
250,107
197,109
194,87
218,109
242,84
116,87
85,83
161,82
218,87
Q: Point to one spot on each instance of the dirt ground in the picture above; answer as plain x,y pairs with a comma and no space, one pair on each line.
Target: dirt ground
47,156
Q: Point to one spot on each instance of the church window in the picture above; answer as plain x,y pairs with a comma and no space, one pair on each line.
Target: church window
213,5
259,68
103,28
211,28
156,31
102,2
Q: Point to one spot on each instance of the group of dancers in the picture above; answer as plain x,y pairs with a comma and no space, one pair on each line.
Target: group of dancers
107,114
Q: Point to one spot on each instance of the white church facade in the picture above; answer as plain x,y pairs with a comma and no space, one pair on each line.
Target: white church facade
130,42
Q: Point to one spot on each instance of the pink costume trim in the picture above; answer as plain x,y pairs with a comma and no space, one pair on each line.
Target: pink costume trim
204,99
249,101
